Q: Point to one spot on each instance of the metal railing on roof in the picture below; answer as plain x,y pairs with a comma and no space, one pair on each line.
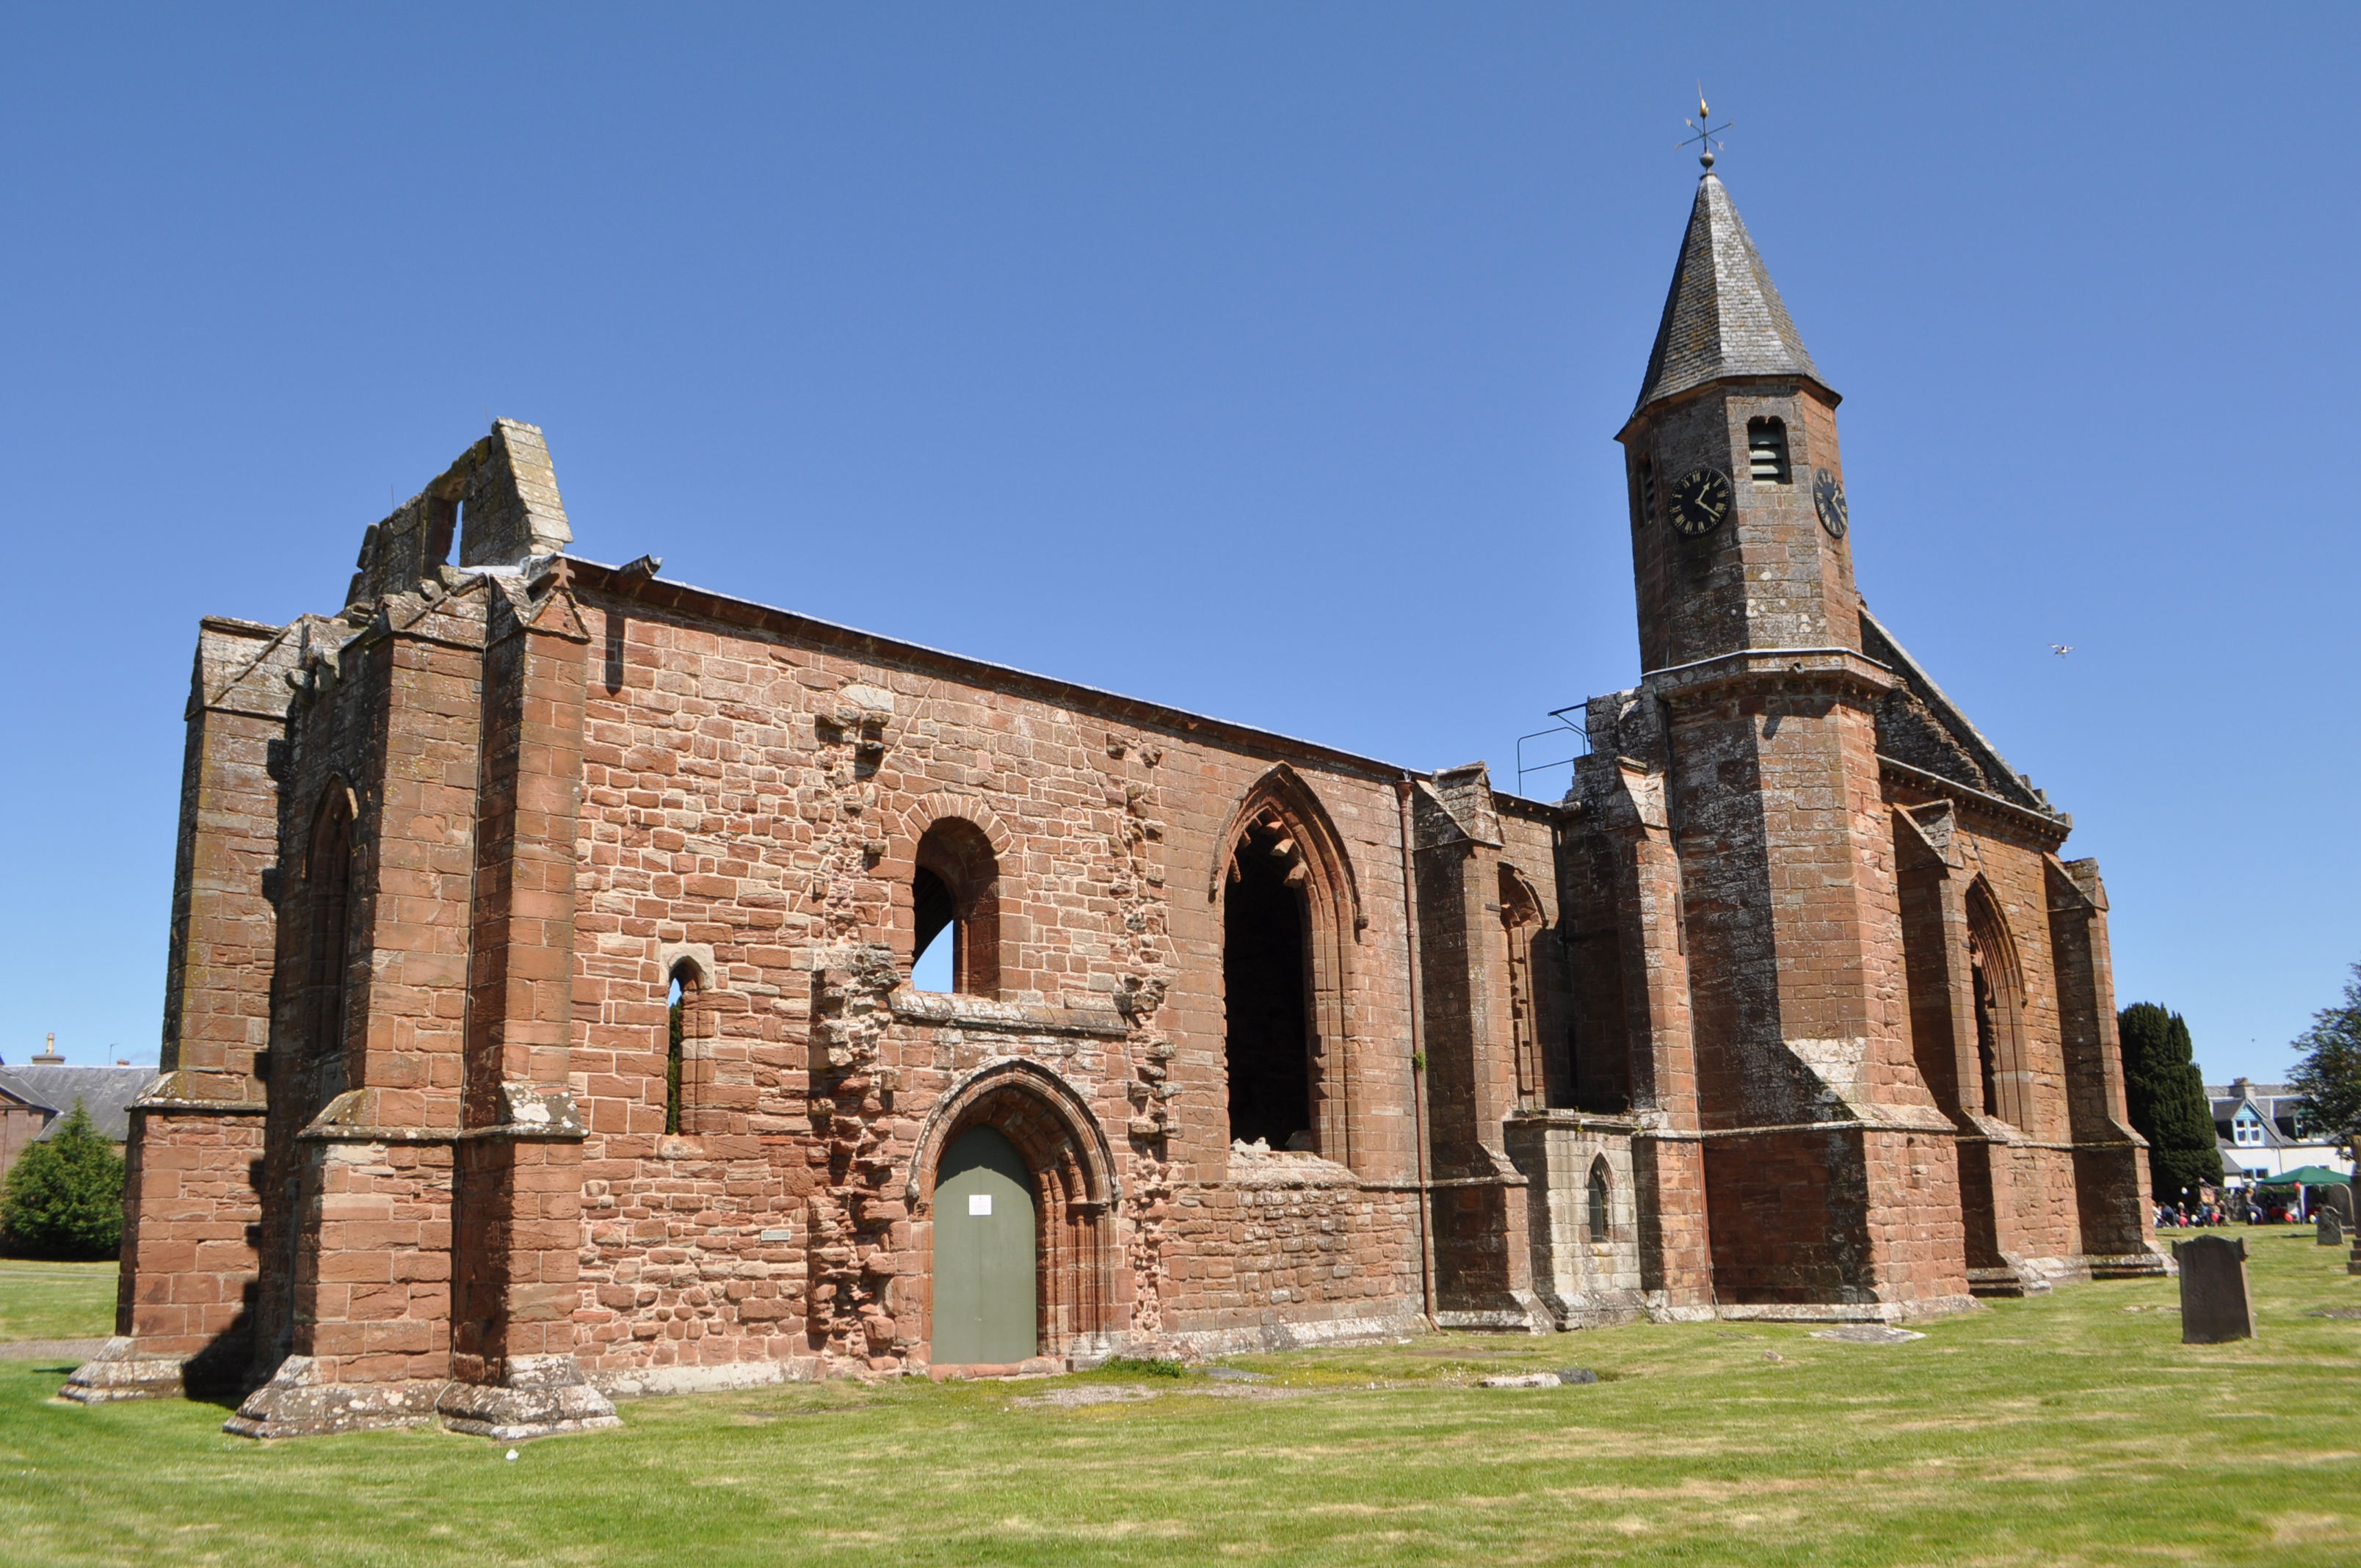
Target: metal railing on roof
1556,733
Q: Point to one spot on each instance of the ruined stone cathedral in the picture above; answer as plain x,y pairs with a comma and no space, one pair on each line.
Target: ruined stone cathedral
540,1024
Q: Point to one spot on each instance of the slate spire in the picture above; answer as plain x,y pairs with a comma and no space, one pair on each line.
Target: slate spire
1724,316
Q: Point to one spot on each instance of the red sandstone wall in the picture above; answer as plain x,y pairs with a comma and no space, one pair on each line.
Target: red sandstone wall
189,1201
751,803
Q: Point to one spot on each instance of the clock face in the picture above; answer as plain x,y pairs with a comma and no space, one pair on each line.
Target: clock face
1828,499
1700,501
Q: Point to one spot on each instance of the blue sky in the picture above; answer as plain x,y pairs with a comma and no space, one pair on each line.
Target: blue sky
1262,360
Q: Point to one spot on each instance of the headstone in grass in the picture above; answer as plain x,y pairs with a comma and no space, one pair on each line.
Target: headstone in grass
2332,1229
2216,1303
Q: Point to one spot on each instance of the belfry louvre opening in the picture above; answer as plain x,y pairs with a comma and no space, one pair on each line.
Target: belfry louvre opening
1766,451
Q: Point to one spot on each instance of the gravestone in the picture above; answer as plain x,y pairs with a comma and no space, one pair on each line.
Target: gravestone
2332,1229
2336,1200
2215,1302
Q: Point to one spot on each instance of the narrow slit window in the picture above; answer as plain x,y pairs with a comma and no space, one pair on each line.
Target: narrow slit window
1647,490
676,1049
1766,451
1598,1200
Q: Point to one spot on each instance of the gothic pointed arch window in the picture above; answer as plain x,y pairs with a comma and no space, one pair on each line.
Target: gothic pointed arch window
326,924
322,968
1602,1196
1288,914
2004,1088
1266,990
1520,922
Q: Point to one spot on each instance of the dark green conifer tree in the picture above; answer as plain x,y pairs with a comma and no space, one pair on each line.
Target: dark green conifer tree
2166,1095
64,1194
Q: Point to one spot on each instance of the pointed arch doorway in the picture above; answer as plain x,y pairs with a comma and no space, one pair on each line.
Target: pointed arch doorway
987,1258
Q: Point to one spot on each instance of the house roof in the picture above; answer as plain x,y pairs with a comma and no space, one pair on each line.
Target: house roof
2270,1101
106,1092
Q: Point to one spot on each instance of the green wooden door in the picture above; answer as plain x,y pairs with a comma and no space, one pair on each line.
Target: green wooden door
984,1253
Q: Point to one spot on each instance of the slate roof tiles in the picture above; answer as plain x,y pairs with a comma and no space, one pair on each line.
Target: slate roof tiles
1724,316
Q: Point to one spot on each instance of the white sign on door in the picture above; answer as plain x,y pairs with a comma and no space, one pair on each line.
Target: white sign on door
979,1203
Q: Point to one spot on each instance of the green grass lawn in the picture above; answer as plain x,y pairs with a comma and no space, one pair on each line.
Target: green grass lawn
56,1300
2072,1429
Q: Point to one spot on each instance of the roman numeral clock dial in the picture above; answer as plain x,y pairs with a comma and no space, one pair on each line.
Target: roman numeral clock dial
1828,499
1700,501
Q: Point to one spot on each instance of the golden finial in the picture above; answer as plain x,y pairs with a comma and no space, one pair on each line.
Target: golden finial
1705,132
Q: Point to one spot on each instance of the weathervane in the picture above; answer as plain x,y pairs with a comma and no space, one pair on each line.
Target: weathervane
1705,132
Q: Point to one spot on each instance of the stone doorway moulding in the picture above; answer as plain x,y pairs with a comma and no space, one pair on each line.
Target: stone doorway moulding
1066,1158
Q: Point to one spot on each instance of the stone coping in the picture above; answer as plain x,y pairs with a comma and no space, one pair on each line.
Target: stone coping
942,1009
2055,827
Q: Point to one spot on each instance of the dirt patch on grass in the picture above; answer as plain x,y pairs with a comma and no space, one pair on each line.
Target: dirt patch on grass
75,1349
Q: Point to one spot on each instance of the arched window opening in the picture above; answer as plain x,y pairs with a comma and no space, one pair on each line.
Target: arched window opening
676,1073
1766,451
328,875
2000,1008
1266,982
955,911
1520,921
1600,1193
1987,1027
935,964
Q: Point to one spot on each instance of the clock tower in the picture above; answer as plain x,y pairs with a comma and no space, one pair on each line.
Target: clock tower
1745,768
1739,517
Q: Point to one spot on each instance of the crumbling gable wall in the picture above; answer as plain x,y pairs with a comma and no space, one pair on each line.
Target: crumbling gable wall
498,503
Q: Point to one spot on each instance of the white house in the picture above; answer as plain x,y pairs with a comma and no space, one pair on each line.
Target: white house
2264,1131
